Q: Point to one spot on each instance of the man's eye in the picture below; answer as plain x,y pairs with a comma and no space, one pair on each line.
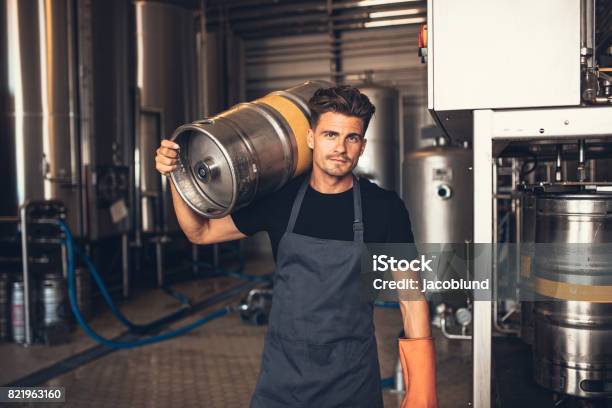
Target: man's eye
353,139
329,134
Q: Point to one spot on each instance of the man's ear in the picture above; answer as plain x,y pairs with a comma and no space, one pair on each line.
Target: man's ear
310,138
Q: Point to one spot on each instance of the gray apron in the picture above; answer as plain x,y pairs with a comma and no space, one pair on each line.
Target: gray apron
320,350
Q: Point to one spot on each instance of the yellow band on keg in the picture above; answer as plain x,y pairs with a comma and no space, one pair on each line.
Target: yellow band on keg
299,126
572,291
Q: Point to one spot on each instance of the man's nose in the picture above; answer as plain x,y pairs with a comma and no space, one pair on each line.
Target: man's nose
340,145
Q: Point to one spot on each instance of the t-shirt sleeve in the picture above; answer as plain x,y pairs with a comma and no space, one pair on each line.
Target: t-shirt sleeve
400,228
252,218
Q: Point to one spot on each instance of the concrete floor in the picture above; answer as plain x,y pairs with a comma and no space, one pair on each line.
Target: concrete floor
214,366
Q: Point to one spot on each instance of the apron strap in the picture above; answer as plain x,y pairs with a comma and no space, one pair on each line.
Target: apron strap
358,222
357,209
297,203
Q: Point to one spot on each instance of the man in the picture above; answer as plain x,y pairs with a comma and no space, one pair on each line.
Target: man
320,349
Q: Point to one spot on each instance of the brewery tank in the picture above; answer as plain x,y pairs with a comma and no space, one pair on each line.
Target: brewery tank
252,149
380,161
39,117
439,194
167,87
573,276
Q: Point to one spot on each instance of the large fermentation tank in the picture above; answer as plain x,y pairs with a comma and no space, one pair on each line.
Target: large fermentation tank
38,123
254,148
166,64
380,161
106,114
573,326
438,191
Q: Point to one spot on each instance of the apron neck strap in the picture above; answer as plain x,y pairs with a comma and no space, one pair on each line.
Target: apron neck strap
357,209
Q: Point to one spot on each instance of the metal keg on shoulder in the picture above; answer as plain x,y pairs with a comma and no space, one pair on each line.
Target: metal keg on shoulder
573,282
252,149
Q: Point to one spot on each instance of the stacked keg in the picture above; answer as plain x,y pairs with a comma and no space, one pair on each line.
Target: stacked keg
573,282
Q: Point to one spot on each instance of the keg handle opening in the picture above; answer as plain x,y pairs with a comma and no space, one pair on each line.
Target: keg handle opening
206,170
597,386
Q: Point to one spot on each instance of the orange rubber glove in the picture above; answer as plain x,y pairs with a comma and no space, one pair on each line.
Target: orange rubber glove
418,359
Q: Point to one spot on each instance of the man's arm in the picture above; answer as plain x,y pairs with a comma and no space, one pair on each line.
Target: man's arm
201,230
415,316
198,229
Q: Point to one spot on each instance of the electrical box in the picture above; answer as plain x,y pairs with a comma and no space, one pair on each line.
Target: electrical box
489,54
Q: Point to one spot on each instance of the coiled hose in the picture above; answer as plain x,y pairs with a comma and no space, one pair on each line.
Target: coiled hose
71,249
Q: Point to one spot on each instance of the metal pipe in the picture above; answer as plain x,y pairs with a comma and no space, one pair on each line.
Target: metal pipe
159,259
583,23
125,264
336,42
559,165
23,212
449,335
593,4
399,378
581,160
496,324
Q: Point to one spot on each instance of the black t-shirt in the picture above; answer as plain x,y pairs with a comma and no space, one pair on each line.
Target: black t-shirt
328,216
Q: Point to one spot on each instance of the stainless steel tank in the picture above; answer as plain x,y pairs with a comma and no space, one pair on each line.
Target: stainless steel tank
573,326
526,254
252,149
38,122
166,79
438,191
439,196
380,161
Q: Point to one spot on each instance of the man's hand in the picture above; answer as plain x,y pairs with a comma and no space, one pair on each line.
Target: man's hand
166,157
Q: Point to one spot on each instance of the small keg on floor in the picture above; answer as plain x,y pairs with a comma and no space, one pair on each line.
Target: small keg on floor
54,309
241,154
17,312
573,274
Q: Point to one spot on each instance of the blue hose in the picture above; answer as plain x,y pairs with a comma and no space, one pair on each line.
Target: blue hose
386,304
136,328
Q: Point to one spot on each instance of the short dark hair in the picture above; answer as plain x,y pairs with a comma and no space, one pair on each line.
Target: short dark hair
344,99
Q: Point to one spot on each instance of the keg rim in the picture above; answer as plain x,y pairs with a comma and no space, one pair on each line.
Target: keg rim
176,177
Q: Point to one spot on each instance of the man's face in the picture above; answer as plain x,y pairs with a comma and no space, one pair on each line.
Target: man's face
337,142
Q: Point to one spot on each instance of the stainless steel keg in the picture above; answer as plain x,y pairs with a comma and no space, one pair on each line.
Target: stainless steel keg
17,313
53,300
252,149
573,273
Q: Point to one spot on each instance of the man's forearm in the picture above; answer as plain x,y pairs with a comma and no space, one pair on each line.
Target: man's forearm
191,223
415,317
